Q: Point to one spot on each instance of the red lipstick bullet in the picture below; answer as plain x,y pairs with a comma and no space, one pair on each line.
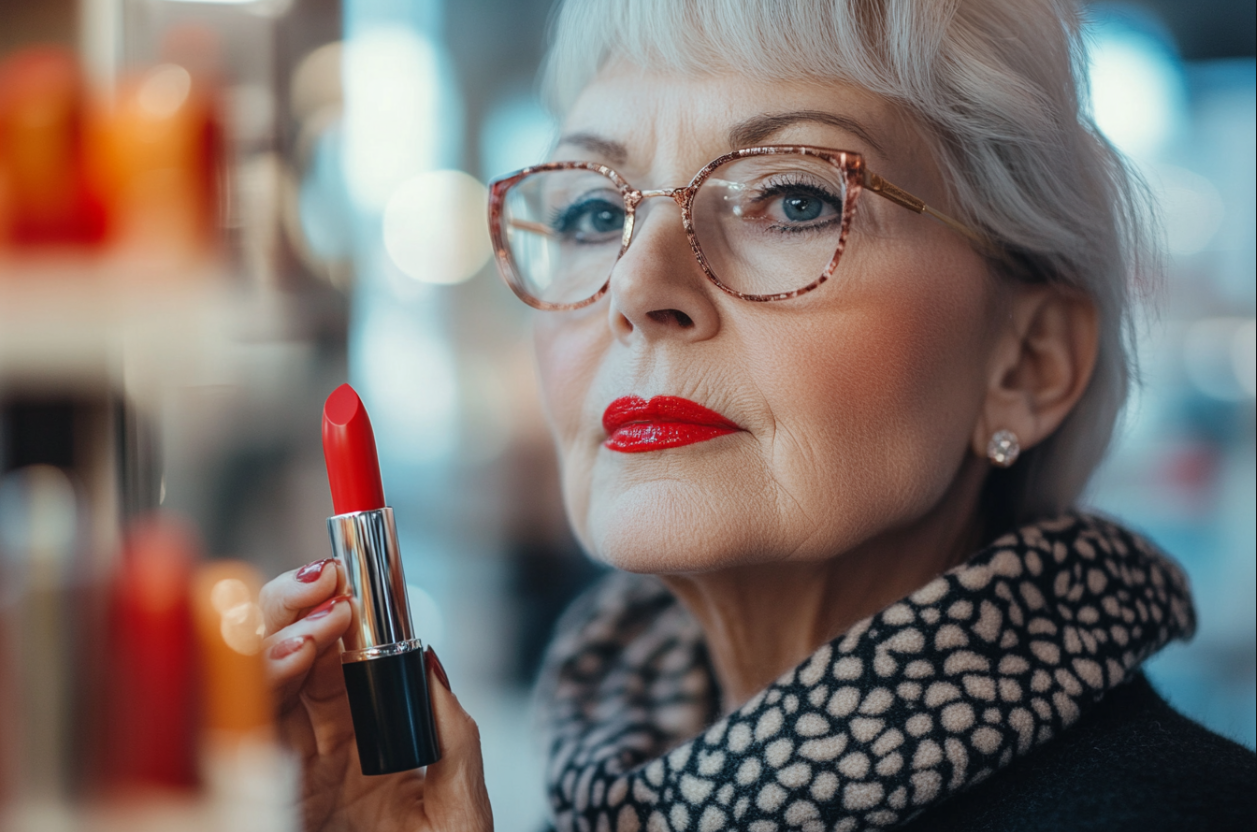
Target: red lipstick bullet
383,660
353,467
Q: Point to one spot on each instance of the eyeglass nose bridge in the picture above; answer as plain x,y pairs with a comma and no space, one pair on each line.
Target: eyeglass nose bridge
677,195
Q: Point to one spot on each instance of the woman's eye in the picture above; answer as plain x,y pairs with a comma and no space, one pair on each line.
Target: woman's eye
801,208
795,208
591,220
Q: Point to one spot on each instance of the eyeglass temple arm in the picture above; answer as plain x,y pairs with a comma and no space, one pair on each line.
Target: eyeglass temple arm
899,196
534,227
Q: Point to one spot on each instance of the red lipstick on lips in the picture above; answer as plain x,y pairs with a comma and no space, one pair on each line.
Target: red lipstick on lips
383,666
635,425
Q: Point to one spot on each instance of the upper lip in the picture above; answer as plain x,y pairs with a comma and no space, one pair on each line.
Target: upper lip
661,409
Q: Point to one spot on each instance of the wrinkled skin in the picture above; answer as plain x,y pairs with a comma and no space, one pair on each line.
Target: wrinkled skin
865,408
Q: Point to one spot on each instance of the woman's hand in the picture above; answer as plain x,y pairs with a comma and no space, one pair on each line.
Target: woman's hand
305,618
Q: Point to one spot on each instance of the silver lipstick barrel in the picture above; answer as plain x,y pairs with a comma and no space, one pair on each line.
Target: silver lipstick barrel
365,543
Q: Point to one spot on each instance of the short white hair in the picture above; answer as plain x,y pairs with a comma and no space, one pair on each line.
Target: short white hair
999,87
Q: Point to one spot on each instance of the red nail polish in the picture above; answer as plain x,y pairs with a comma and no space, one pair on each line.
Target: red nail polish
325,609
434,664
287,647
311,572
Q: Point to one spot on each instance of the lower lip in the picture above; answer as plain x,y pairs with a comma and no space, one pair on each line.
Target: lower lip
656,436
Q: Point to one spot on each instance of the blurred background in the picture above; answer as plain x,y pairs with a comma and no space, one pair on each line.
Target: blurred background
213,213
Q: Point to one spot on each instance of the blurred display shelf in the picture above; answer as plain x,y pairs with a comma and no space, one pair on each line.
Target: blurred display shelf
68,323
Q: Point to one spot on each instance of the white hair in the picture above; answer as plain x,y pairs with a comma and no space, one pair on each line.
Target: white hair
999,87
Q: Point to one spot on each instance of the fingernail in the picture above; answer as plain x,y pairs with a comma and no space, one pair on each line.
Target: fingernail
312,571
325,609
434,664
287,647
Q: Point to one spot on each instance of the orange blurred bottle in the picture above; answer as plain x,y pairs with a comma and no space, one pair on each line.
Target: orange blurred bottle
252,782
154,156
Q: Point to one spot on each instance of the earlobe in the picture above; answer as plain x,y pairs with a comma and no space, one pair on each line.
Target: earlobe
1041,365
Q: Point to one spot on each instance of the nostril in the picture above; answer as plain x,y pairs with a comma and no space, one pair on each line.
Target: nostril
663,316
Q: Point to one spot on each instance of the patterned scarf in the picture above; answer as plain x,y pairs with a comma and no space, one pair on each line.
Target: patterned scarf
928,697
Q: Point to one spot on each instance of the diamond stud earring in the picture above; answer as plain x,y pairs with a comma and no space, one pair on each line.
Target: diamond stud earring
1003,449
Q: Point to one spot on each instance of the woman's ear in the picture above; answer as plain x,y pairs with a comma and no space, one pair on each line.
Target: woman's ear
1041,363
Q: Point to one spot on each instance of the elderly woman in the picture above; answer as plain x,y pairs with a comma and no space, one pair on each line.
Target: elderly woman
833,329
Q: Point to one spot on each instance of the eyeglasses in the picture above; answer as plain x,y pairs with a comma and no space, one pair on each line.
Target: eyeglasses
765,223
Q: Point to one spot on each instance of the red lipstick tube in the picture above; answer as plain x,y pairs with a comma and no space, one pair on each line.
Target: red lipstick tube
383,660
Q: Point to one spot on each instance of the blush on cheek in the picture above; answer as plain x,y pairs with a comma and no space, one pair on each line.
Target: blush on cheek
918,344
887,405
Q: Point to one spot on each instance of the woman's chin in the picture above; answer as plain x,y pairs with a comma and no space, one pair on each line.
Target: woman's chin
672,526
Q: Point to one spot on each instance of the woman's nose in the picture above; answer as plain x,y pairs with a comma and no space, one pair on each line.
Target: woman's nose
658,289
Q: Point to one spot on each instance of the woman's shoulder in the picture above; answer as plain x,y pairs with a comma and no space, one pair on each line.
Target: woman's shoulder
1132,763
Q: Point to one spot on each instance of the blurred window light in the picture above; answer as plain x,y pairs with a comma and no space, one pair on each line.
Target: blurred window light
1138,95
516,133
435,228
408,379
391,80
1191,206
1218,355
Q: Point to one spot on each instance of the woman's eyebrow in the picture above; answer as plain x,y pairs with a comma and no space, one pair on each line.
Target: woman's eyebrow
611,151
755,130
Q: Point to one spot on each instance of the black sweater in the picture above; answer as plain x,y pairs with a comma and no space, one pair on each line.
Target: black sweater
1132,763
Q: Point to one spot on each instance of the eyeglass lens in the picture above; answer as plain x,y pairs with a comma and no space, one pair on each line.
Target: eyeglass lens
765,224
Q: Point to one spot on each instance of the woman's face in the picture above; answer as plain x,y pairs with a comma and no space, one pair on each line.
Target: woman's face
856,402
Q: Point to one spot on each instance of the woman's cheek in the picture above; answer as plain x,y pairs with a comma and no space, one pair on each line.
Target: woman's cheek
566,366
890,404
569,350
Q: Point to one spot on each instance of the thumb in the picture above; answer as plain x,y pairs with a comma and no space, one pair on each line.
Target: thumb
454,794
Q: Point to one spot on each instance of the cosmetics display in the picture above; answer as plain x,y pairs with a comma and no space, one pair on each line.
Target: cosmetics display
134,176
154,714
132,691
383,659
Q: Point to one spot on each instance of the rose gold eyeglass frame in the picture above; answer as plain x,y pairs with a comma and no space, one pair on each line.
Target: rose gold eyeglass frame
857,176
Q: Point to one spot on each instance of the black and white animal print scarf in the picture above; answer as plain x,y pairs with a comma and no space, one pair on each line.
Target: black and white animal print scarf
926,698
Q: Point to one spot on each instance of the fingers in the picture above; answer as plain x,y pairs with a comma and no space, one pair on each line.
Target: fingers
286,597
290,653
455,797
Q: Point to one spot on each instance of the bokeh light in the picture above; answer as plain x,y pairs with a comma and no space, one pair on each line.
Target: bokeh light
391,78
1137,90
435,229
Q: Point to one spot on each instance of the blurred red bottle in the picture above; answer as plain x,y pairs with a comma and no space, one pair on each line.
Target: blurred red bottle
45,198
151,718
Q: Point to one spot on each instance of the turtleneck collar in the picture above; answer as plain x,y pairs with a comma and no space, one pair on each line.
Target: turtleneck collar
928,697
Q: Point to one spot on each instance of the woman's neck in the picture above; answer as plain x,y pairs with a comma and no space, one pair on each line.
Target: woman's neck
764,619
